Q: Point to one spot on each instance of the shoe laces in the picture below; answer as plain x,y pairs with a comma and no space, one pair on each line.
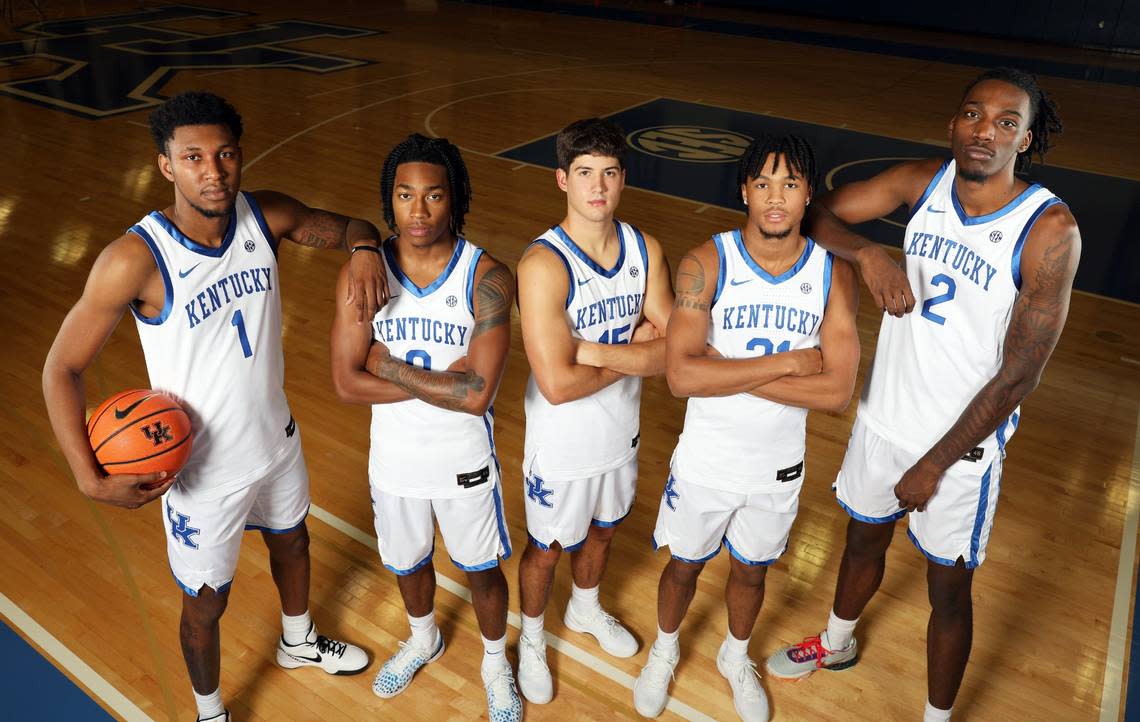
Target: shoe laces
748,679
501,686
810,649
409,652
533,649
330,646
658,667
612,625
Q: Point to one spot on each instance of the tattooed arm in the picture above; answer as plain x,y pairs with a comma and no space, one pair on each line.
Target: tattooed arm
469,386
1048,264
644,354
550,346
349,346
290,219
690,370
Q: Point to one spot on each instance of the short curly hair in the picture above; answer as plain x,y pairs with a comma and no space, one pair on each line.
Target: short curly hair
194,107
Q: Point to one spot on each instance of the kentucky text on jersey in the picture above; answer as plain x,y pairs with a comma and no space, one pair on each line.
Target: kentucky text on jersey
419,328
770,315
226,291
953,253
607,308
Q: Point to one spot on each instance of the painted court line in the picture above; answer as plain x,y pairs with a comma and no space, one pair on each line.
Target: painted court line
570,650
64,657
1118,632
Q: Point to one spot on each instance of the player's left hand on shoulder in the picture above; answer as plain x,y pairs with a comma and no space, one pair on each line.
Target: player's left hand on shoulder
917,486
367,284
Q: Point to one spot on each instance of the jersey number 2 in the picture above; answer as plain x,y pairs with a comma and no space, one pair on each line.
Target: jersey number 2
930,303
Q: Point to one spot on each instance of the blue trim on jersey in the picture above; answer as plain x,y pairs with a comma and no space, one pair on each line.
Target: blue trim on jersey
1015,265
809,245
1002,439
929,189
390,257
271,530
419,565
741,558
566,263
722,265
168,302
546,547
478,567
590,261
702,560
871,519
501,520
980,517
488,420
575,547
257,214
978,220
827,263
644,252
478,254
608,524
936,559
194,592
191,245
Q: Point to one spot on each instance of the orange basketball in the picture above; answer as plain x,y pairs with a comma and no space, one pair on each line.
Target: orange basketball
140,432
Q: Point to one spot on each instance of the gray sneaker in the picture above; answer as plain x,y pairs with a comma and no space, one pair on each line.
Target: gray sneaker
800,660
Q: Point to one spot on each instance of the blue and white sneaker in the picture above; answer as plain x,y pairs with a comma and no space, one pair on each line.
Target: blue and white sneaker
394,677
503,703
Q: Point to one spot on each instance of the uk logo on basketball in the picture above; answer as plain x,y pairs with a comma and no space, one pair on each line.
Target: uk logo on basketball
158,432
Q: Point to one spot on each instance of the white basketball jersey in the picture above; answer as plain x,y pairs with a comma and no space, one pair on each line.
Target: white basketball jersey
742,443
216,346
600,432
420,450
965,274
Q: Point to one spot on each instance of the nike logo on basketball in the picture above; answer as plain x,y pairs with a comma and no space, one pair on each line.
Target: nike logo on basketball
934,210
188,271
735,282
123,413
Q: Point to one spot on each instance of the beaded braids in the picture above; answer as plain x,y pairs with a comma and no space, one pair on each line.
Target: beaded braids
1044,121
417,148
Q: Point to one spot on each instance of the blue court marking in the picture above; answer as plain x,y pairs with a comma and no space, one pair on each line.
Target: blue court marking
32,689
694,150
953,56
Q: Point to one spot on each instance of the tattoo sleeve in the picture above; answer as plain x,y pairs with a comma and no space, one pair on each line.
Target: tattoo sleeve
690,284
322,230
445,389
1035,326
493,300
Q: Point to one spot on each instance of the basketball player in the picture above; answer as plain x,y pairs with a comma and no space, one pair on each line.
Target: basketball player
200,278
763,329
990,258
438,351
594,298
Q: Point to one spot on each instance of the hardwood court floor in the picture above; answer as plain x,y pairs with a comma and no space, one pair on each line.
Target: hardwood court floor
490,79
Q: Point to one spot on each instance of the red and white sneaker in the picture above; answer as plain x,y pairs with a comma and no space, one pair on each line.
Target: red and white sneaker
800,660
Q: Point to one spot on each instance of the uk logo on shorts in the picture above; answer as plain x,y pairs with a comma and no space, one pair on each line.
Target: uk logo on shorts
671,493
180,528
536,493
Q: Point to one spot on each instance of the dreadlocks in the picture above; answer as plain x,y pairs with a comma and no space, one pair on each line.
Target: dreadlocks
793,149
1044,120
418,148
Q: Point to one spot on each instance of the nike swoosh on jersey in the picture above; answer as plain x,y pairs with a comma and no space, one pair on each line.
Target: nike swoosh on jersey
188,271
584,281
934,210
122,414
735,282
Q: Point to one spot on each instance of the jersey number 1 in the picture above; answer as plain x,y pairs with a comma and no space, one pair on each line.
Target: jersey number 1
239,323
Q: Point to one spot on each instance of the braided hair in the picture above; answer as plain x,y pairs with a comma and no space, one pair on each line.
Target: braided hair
417,148
795,151
1044,120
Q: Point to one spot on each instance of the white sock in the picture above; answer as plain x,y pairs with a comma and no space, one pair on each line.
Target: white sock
532,628
669,642
296,629
494,654
424,632
585,600
735,650
209,705
933,714
839,632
